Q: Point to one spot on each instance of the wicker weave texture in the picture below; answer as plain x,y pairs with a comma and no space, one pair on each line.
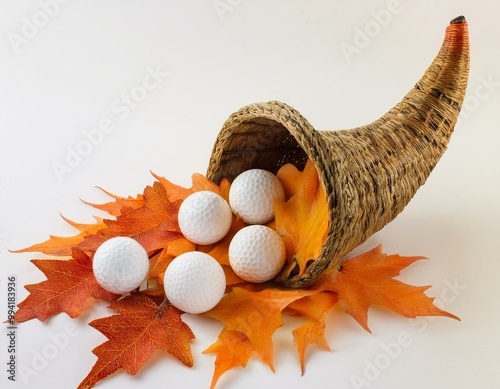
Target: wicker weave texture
369,173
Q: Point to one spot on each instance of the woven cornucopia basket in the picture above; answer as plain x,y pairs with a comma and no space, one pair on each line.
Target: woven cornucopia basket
369,173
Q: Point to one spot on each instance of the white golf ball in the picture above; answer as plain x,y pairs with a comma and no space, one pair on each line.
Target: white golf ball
204,217
252,194
194,282
120,264
257,253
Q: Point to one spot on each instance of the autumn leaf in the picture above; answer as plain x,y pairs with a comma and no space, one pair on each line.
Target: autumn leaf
167,254
255,311
302,220
368,280
176,192
62,245
140,328
114,207
152,224
69,285
250,313
315,308
233,349
294,180
219,252
88,228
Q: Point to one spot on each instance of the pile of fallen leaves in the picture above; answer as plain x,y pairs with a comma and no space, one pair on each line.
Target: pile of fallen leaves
250,313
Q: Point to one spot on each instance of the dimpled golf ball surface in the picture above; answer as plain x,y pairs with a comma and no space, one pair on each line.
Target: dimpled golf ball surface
252,194
204,217
194,282
257,253
120,264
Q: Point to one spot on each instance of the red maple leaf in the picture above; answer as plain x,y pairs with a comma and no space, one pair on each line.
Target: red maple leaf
69,285
140,328
152,224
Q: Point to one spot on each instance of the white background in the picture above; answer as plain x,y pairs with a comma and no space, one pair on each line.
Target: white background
71,71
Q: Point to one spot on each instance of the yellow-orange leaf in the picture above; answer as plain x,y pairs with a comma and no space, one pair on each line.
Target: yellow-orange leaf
89,228
69,285
179,246
114,207
256,312
63,245
220,250
176,192
292,179
251,313
140,328
315,308
368,280
172,249
224,187
302,220
233,349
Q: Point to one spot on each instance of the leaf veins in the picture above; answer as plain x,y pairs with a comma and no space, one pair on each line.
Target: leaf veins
140,328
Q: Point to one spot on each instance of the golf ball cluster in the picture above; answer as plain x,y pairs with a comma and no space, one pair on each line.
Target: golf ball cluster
252,194
120,264
194,282
256,252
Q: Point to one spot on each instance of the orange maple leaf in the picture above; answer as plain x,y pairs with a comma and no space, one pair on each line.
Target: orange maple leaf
368,280
255,312
172,249
140,328
315,308
252,313
199,182
114,207
302,220
233,349
69,285
63,245
220,250
152,224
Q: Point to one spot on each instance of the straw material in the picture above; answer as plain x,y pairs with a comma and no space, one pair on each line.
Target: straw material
369,173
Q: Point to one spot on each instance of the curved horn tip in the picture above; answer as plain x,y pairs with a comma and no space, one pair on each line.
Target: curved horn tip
459,19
